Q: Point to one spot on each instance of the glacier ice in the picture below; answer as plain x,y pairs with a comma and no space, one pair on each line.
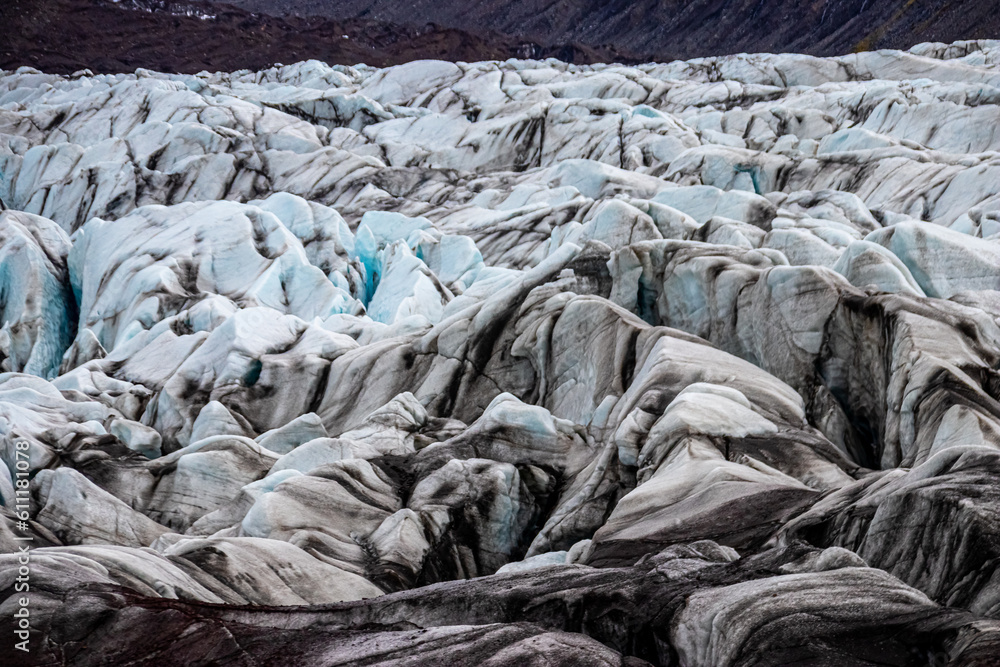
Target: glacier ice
506,363
36,313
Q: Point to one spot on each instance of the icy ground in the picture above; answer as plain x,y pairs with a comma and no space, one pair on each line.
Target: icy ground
688,364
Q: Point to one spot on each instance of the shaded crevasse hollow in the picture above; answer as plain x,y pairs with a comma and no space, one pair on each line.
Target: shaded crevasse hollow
505,363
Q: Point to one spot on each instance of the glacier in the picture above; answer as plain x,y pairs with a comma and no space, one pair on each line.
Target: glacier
505,363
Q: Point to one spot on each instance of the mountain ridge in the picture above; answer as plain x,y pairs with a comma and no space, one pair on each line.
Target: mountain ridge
683,29
187,36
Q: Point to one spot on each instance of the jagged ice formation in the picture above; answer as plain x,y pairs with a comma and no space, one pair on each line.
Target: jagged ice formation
506,363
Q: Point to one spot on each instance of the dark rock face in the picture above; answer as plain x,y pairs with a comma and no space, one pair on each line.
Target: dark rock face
65,36
194,35
504,363
682,29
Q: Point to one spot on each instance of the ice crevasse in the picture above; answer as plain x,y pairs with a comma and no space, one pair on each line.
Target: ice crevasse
502,362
